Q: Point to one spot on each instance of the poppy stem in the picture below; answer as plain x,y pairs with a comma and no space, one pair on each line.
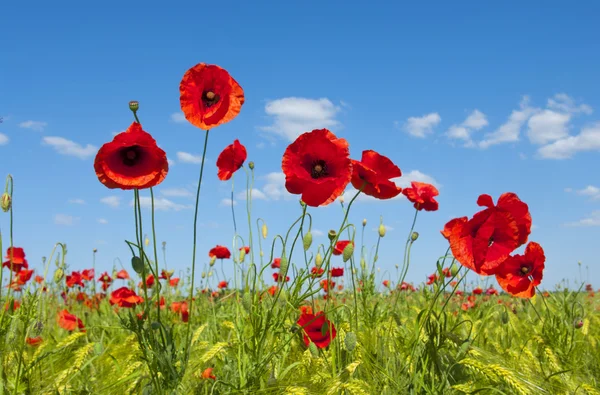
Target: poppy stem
191,311
155,257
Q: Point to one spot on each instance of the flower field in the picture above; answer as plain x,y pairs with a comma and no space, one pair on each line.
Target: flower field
295,317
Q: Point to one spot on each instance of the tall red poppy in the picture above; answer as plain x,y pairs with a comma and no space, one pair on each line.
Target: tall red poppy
317,329
209,96
317,166
375,171
131,161
74,279
337,272
18,259
219,252
520,274
69,321
422,195
485,241
125,297
230,160
88,274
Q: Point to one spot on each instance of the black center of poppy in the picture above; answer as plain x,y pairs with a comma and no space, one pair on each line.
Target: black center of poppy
525,269
210,98
131,155
318,169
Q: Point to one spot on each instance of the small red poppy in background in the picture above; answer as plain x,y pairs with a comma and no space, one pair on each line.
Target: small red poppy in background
422,195
74,279
317,166
174,282
317,329
276,263
150,281
375,171
317,272
23,276
131,161
432,278
39,279
220,252
477,291
222,285
88,274
122,274
485,241
277,277
166,274
305,309
125,297
386,283
272,290
15,305
340,246
230,160
337,272
208,374
327,285
18,259
491,291
69,321
34,341
209,96
185,312
520,274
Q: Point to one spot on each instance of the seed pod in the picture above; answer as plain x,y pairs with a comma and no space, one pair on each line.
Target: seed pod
504,317
350,341
364,222
414,236
331,234
137,264
251,165
313,349
307,240
134,105
348,251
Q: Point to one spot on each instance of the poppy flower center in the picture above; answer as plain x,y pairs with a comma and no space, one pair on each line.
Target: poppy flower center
319,169
131,155
525,269
210,98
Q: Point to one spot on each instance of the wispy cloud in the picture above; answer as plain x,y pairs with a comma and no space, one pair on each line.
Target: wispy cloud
176,192
227,202
591,220
76,201
38,126
64,219
463,131
178,117
590,191
292,116
509,131
420,126
102,221
4,139
161,204
186,157
112,201
70,148
587,140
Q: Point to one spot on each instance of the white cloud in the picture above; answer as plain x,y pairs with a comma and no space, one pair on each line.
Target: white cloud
317,232
475,121
592,220
102,221
112,201
274,189
510,130
38,126
63,219
70,148
568,189
178,117
76,201
564,103
421,126
4,139
415,175
293,116
587,140
548,126
176,192
186,157
227,202
161,204
257,194
591,191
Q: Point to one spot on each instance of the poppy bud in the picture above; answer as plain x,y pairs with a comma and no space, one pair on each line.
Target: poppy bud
264,231
134,105
251,165
213,259
454,269
5,202
137,264
504,317
313,349
262,254
381,229
414,236
578,323
247,301
58,275
348,251
307,240
95,250
242,254
363,263
364,222
147,241
283,267
350,341
318,260
210,273
332,233
203,274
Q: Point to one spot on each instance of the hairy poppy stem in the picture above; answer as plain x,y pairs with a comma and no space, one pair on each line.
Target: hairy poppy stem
155,257
191,311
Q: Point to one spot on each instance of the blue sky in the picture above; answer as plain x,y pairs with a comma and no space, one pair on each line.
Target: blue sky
476,98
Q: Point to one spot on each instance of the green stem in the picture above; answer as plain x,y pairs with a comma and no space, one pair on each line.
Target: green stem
157,289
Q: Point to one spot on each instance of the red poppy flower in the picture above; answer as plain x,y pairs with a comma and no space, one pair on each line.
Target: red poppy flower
149,281
220,252
276,263
277,277
185,312
317,272
230,160
432,278
376,171
317,329
520,274
272,290
337,272
23,276
123,275
340,246
174,281
386,283
69,321
18,259
131,161
166,274
491,291
327,285
317,166
34,341
74,279
209,96
105,278
125,297
246,249
422,195
222,285
39,279
477,291
485,241
88,274
207,374
306,309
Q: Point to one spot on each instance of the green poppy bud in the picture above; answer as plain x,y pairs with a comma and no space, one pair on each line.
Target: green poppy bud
348,251
307,240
